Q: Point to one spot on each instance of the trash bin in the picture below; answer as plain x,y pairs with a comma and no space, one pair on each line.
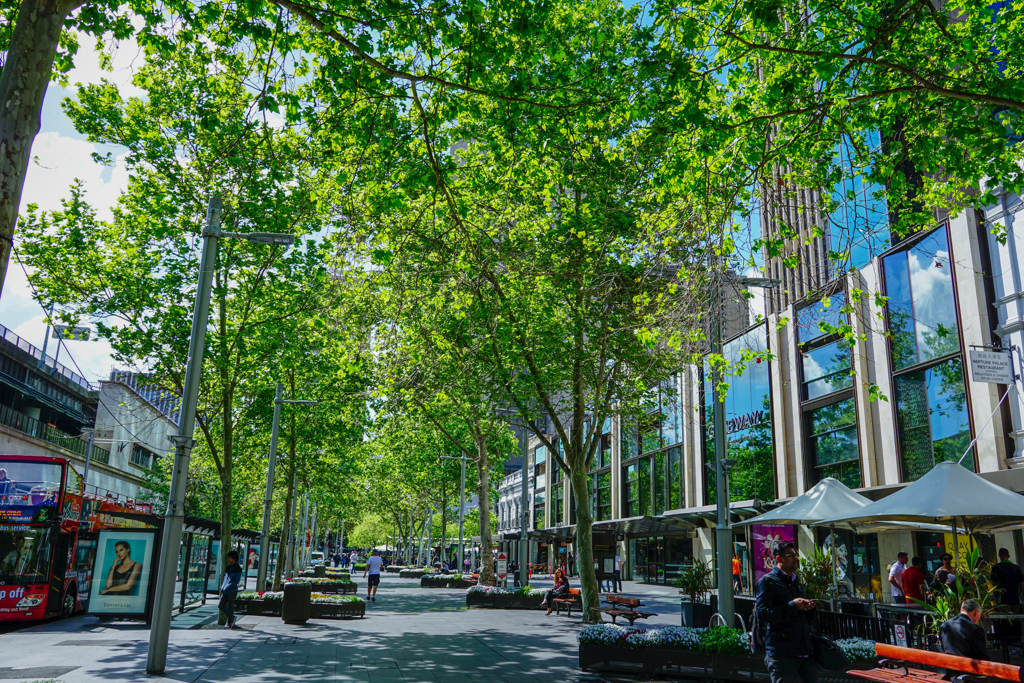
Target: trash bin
320,571
295,605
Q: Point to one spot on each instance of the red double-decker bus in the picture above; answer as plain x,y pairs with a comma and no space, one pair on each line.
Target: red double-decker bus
46,556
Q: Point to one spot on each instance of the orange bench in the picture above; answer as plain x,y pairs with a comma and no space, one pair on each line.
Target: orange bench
576,600
895,660
620,606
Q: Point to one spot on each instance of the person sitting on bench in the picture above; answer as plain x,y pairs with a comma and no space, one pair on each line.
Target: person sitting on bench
962,636
561,590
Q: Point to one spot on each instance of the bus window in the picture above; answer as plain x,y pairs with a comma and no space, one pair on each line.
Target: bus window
25,557
28,485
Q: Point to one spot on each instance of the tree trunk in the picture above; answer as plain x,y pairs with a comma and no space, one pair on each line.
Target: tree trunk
442,548
585,549
26,73
284,531
483,496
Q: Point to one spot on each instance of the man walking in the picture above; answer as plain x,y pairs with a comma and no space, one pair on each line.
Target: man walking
782,609
617,574
373,569
737,572
229,588
896,578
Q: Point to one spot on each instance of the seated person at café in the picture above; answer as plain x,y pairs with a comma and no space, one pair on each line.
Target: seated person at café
962,636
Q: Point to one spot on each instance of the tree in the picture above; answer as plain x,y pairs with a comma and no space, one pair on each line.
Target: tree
198,132
921,100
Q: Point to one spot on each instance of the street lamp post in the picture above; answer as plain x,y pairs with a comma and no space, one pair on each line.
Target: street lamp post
163,600
723,528
261,573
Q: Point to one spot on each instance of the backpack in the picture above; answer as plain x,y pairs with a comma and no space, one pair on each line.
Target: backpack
756,637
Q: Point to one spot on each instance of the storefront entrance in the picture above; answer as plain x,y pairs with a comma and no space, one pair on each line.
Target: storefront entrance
659,559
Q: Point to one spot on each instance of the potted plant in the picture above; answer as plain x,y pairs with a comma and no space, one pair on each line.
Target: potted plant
816,574
694,583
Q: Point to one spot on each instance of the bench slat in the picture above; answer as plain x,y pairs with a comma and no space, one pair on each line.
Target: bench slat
1005,672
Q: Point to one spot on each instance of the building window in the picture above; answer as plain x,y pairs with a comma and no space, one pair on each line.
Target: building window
606,451
558,505
604,495
748,426
650,434
931,399
660,482
833,440
921,309
141,456
632,489
829,411
645,486
675,479
539,467
538,510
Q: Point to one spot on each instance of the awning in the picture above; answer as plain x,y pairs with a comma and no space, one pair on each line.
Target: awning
643,526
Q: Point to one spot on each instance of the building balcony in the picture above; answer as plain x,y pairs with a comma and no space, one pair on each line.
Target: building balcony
40,430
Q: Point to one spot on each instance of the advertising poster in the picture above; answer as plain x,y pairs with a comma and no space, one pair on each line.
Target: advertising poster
765,538
211,572
122,573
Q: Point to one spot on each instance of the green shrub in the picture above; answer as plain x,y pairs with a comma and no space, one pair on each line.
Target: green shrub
724,641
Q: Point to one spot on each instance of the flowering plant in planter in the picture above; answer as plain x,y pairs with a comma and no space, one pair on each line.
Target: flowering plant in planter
260,595
324,599
858,649
492,590
324,582
716,640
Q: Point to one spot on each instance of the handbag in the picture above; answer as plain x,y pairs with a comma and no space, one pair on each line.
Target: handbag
827,654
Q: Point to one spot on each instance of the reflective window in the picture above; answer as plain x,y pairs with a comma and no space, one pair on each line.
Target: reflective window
632,489
650,434
827,369
558,502
821,319
747,423
921,310
604,496
675,466
672,413
931,406
834,442
660,482
645,486
538,510
25,557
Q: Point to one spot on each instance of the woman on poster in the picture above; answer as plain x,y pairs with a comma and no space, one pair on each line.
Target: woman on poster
124,572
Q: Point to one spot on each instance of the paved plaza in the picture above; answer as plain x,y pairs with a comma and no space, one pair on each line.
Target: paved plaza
409,634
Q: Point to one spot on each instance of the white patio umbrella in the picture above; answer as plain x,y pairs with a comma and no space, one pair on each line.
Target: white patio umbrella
827,499
948,494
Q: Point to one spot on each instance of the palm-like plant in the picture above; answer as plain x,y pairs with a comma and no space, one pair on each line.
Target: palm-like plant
971,582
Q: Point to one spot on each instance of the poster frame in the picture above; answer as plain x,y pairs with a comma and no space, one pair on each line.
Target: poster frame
100,560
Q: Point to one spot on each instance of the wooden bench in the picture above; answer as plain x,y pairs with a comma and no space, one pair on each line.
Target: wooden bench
574,600
619,606
895,660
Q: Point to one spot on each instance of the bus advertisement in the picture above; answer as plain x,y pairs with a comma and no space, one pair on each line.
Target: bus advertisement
46,554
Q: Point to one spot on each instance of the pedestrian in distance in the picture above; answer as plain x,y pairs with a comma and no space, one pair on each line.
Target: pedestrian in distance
737,572
373,565
229,588
617,574
896,578
781,607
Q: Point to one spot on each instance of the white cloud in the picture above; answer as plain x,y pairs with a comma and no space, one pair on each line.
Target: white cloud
126,59
57,162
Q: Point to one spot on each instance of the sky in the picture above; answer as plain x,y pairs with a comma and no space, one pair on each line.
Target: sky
60,155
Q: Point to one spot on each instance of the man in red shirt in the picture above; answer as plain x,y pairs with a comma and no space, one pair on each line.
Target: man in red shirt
914,583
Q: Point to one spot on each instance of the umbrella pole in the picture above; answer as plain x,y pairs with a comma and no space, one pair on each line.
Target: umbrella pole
835,584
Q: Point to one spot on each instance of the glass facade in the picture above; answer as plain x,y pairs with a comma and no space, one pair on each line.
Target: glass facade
652,483
859,226
931,398
748,424
828,409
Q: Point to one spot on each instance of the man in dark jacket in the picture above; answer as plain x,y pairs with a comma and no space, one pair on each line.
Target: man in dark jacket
781,607
962,636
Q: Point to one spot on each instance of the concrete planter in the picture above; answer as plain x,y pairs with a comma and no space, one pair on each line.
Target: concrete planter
502,601
706,666
428,581
263,608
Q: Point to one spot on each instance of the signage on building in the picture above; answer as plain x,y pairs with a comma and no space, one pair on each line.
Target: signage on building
994,367
751,419
71,333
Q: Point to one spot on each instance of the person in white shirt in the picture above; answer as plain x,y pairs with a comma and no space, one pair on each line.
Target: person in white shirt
896,578
352,559
617,575
373,569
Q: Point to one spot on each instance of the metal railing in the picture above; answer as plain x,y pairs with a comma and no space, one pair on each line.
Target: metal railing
28,425
35,352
